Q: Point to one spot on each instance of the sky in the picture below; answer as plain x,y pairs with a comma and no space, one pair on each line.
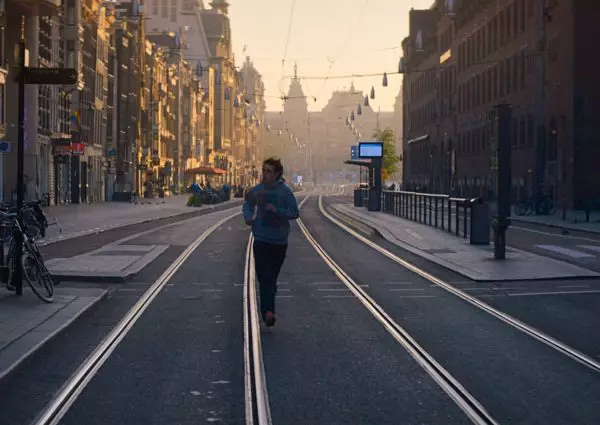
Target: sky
326,37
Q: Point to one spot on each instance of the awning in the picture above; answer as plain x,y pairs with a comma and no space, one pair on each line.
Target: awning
206,170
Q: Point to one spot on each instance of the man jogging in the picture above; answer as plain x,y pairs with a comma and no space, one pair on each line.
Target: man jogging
268,208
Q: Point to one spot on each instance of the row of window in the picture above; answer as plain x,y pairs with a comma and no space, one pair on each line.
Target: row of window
506,25
477,141
503,79
422,117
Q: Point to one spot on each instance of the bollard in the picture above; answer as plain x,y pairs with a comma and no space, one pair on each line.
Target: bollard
480,223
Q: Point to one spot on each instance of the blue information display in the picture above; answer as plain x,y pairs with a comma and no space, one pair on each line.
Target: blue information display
370,150
354,152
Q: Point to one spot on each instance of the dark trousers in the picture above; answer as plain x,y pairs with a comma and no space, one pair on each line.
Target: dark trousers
268,259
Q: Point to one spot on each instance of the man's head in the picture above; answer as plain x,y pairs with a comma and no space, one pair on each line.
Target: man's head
272,170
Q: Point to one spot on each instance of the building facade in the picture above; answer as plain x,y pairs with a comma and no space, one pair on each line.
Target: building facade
459,62
150,109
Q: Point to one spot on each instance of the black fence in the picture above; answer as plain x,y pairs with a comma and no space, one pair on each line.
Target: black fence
440,211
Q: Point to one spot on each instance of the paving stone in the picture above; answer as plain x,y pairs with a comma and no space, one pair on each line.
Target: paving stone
32,323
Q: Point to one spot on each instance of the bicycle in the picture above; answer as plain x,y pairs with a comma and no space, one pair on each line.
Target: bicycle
35,271
543,205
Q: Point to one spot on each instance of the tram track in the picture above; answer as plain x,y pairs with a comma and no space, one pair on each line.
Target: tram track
78,381
521,326
454,389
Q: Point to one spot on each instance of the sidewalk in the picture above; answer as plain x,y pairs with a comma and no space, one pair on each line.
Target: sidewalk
84,219
121,260
472,261
26,323
575,221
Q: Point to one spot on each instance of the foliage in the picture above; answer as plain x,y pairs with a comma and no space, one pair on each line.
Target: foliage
390,158
194,200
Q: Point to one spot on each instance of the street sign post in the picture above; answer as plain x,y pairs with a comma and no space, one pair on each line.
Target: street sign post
54,76
27,75
373,151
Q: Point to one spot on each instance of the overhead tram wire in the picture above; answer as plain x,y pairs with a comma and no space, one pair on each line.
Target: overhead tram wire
350,33
287,43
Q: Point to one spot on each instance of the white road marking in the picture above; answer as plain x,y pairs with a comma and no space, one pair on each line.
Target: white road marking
565,251
594,248
413,233
540,232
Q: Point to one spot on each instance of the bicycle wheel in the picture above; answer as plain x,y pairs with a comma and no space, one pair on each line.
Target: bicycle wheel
38,276
10,263
550,207
521,208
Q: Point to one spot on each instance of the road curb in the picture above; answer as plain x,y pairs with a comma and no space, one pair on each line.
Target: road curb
52,335
555,226
440,262
212,208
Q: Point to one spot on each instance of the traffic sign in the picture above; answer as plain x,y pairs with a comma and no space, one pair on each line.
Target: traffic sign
56,76
354,153
4,147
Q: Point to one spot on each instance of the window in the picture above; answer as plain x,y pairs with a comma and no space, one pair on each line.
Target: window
507,74
508,22
530,129
173,10
553,50
489,37
502,28
530,8
515,72
522,131
514,135
523,69
522,15
495,83
515,18
165,9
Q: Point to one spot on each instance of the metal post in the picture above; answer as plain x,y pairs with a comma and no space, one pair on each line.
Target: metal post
540,101
502,146
17,277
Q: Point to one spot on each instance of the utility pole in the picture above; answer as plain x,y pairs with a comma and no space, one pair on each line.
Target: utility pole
18,272
140,140
540,102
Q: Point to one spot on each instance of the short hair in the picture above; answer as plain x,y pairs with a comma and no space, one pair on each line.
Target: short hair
276,164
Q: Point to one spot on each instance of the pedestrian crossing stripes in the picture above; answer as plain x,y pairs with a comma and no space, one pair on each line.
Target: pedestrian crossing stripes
583,251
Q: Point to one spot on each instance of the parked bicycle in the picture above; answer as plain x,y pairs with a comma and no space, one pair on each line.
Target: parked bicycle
540,205
31,224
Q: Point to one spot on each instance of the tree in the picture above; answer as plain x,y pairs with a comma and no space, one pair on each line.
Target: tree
390,158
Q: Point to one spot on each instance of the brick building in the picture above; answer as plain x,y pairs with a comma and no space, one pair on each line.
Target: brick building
463,58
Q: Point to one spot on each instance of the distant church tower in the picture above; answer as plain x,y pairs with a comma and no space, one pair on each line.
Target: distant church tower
295,113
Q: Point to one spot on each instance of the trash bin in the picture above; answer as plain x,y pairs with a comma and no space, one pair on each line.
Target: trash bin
480,222
358,198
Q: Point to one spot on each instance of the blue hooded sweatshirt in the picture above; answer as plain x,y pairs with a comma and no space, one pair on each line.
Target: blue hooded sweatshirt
271,227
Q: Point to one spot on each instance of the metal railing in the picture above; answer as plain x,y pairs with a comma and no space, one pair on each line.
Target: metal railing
440,211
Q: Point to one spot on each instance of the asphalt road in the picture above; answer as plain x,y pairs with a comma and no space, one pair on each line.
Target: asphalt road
568,310
519,380
326,361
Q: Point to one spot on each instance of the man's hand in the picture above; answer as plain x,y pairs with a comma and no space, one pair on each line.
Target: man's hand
271,207
251,221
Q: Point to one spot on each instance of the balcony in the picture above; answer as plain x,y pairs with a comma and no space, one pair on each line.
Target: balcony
73,32
38,7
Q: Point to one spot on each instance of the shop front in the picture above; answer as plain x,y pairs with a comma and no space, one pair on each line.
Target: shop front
61,155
